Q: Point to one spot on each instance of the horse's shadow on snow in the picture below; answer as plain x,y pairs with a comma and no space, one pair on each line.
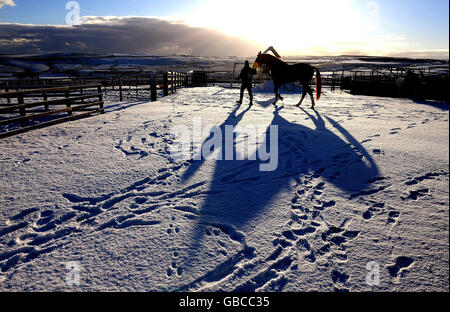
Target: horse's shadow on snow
239,191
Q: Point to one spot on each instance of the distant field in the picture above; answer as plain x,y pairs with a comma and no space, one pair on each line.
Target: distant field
85,63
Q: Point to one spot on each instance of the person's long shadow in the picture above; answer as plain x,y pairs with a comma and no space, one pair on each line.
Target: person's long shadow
232,120
239,191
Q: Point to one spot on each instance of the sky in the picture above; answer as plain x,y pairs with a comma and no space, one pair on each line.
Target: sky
414,28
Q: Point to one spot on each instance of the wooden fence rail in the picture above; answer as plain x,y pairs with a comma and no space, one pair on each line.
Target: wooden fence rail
74,97
23,113
126,84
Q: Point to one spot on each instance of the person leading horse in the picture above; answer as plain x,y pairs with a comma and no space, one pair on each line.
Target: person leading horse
246,77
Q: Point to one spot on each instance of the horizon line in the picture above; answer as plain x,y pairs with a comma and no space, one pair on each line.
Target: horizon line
117,54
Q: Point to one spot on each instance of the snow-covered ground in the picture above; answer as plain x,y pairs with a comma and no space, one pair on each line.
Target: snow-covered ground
361,184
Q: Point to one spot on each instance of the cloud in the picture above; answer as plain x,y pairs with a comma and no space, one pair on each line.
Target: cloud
386,44
7,2
122,35
442,54
156,36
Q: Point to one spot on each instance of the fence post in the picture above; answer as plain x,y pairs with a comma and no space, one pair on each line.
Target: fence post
166,84
68,104
137,94
232,75
153,93
172,81
105,82
45,97
100,98
7,90
120,89
23,112
82,93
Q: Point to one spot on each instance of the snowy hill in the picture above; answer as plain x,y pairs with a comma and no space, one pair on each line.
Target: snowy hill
361,184
86,63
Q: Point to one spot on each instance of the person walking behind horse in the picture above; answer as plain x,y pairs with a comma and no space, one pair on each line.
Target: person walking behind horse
246,77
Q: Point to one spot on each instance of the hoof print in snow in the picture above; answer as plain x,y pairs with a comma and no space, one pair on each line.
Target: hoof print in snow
416,194
376,208
401,264
393,216
340,280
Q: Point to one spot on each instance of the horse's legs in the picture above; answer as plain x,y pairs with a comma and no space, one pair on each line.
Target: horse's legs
277,85
303,97
309,90
305,91
277,94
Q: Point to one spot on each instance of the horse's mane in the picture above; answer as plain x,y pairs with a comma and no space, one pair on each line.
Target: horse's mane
272,59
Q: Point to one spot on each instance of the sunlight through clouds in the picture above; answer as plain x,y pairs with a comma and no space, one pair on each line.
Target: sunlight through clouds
322,27
293,26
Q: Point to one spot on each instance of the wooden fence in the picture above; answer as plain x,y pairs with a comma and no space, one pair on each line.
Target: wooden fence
123,84
45,95
77,102
166,82
417,85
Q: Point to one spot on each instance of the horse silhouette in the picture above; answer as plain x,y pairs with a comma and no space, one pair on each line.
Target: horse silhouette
238,191
282,73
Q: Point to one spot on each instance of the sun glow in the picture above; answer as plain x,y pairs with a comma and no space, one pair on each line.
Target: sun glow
291,26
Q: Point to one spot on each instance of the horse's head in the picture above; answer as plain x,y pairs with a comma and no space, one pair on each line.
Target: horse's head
265,59
258,61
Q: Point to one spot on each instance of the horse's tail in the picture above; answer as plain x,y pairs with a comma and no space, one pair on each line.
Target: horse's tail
318,84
